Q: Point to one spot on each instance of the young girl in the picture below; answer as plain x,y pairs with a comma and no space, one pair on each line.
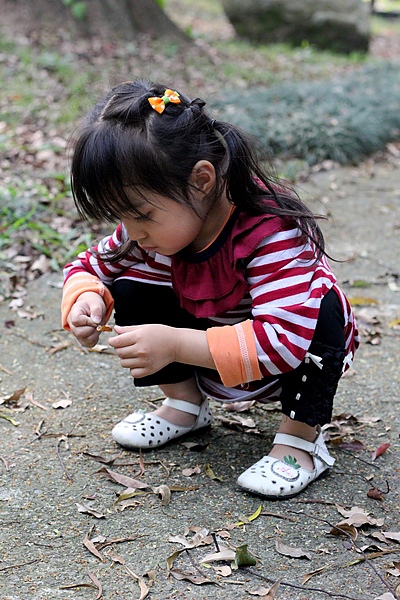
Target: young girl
218,278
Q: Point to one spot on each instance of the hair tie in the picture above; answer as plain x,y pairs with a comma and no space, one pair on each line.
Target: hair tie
159,104
213,123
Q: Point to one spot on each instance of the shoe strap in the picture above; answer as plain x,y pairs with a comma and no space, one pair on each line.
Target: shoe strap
187,407
316,448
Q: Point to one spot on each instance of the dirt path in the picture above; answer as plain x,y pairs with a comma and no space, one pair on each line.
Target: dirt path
45,473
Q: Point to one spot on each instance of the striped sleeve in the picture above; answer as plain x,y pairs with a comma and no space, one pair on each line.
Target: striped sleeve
89,272
286,285
140,265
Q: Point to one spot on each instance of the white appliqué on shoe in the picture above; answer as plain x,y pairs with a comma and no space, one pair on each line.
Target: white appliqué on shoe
285,471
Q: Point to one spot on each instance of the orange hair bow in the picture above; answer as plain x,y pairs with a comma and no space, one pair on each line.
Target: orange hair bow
159,104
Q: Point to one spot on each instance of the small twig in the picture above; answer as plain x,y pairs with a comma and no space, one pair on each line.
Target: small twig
214,537
302,587
315,501
5,463
62,439
5,370
29,562
266,513
370,464
25,337
197,568
356,546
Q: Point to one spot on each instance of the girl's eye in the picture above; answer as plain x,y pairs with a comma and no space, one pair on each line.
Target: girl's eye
142,218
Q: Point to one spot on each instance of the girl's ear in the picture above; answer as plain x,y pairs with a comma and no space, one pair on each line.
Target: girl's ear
203,176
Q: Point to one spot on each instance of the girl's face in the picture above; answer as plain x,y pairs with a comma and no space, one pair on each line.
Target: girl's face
167,227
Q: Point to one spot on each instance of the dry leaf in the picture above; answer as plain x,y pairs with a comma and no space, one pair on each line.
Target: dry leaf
82,508
252,517
97,584
62,403
267,594
129,482
308,576
357,516
224,554
193,542
224,571
344,528
210,473
8,418
290,550
165,493
391,535
196,579
376,494
12,398
92,548
382,448
189,471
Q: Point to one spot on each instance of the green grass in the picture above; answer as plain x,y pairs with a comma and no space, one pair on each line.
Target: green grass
342,119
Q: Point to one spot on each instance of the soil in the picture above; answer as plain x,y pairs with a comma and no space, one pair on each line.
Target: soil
46,470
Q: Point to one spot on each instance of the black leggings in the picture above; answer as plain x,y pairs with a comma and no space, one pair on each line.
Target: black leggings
307,391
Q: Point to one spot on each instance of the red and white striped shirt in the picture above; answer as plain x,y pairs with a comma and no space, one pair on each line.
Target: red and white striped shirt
272,277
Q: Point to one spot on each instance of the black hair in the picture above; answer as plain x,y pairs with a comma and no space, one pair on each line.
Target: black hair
124,143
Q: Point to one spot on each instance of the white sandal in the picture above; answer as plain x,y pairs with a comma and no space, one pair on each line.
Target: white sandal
278,480
147,430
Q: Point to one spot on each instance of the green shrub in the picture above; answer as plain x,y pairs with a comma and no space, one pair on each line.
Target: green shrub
340,119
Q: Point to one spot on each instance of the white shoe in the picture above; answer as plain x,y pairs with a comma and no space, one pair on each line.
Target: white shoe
278,480
147,430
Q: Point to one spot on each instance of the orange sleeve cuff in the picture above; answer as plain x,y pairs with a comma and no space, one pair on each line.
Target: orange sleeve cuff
233,349
76,285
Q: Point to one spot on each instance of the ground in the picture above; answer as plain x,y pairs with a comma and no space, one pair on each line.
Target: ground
58,403
48,468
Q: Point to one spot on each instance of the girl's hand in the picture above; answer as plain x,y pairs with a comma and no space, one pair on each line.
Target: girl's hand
87,313
145,349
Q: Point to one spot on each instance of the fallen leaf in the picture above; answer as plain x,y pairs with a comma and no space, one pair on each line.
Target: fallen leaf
189,471
376,494
357,516
210,473
195,446
193,542
391,535
97,584
64,403
386,596
270,593
165,493
12,398
8,418
92,548
83,508
344,529
290,550
102,459
129,482
251,518
238,406
224,554
308,576
223,571
244,558
382,448
347,445
196,579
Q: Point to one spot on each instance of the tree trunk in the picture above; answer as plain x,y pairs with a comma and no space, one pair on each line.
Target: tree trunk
112,19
